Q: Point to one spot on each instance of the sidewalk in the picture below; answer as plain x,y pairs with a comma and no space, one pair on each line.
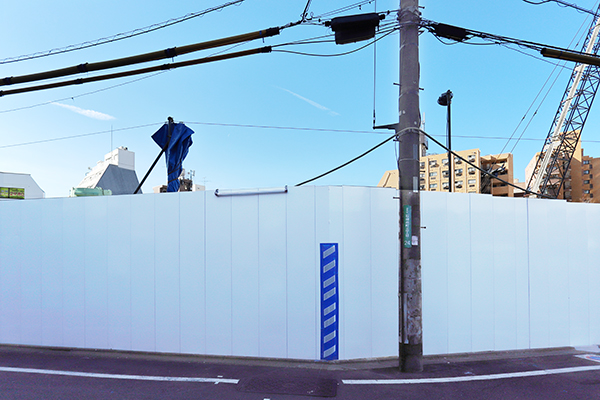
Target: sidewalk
28,373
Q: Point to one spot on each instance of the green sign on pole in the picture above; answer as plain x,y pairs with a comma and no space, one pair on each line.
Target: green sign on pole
407,226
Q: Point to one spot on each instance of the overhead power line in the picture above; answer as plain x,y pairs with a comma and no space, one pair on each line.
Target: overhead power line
384,34
269,127
78,136
563,4
140,58
119,36
80,95
461,35
163,67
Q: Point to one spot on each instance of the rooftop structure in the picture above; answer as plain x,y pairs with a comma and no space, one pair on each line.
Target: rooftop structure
115,173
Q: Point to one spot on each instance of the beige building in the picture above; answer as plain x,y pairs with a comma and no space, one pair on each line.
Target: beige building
578,183
590,181
435,173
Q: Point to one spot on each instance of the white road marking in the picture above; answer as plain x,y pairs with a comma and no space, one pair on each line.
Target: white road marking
470,378
590,357
117,376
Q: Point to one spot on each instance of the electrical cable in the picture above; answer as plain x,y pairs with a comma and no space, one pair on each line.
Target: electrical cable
337,54
118,36
563,65
374,75
163,67
109,87
343,9
140,58
349,162
495,39
305,12
272,127
563,4
81,95
78,136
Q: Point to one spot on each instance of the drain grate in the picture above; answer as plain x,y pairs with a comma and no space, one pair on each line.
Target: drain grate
319,387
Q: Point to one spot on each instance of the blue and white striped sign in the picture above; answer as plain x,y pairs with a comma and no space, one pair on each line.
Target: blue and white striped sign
329,301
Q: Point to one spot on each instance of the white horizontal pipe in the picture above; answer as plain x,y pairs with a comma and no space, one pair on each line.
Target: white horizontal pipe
250,192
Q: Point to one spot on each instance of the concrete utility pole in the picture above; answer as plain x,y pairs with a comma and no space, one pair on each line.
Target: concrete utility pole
410,338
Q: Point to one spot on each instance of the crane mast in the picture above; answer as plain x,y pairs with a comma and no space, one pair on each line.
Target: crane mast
552,166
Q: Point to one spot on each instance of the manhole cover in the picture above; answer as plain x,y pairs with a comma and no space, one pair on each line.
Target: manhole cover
319,387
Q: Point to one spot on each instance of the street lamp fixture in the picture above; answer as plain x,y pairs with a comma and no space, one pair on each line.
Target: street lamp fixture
445,99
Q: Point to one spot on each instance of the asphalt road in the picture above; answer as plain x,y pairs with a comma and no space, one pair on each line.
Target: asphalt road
32,373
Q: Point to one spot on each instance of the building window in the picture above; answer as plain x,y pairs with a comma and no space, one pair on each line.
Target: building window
445,161
422,187
458,171
472,157
422,163
472,182
458,161
586,182
433,186
586,192
586,172
445,173
445,185
422,175
432,175
458,184
471,170
585,162
591,186
432,162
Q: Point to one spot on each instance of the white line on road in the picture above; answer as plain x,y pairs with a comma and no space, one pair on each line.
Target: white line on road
469,378
116,376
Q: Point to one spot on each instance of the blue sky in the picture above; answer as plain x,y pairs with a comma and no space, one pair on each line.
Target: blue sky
230,104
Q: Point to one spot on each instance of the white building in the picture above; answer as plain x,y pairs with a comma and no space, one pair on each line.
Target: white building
19,186
115,173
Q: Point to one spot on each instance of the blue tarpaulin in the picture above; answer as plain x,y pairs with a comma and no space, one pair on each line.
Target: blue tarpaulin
177,150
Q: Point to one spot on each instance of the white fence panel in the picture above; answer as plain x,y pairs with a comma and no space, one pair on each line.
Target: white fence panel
302,276
96,272
119,272
191,273
434,236
52,283
460,305
384,272
143,275
33,273
219,273
245,276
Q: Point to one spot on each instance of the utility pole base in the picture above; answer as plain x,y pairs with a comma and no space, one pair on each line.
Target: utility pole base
411,357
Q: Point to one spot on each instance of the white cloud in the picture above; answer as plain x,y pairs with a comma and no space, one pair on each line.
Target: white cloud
87,113
309,101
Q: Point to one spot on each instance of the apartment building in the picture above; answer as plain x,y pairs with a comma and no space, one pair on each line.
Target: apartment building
435,173
578,184
590,179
